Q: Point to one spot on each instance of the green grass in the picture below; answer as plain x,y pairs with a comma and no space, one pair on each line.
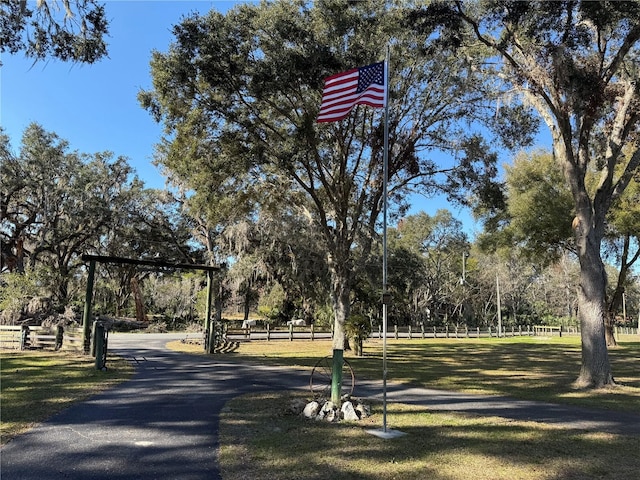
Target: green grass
259,440
530,368
36,385
522,367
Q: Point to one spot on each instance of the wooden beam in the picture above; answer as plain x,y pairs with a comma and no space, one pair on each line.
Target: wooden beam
148,263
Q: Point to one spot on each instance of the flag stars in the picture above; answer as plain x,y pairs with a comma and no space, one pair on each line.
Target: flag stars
369,75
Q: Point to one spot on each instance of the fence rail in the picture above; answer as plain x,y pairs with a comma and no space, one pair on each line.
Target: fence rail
627,331
16,337
290,333
409,332
406,332
71,339
422,331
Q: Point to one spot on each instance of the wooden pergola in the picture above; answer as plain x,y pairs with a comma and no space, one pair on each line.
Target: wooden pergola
156,264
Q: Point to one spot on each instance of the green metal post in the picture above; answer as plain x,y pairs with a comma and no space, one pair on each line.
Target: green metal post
99,345
336,377
88,299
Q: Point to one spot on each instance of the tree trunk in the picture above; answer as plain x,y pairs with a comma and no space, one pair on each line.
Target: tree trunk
20,255
615,304
341,282
141,315
62,292
341,306
596,369
247,304
609,333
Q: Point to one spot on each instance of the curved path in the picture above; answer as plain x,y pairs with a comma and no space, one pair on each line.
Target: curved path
163,423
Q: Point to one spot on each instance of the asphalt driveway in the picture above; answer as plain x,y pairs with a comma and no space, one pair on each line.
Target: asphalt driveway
162,424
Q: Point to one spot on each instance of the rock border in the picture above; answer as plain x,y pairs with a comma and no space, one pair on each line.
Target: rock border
351,410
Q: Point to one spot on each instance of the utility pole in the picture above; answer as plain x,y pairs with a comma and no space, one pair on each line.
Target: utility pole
463,279
499,307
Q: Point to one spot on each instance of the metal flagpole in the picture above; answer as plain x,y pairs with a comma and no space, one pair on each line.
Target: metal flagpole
385,433
385,179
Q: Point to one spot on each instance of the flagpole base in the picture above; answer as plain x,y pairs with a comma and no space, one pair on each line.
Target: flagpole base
386,434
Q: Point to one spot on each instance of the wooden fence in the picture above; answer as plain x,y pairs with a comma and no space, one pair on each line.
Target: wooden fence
626,331
409,332
269,333
15,337
71,339
422,331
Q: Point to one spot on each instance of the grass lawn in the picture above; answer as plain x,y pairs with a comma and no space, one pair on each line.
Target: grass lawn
531,368
259,440
36,385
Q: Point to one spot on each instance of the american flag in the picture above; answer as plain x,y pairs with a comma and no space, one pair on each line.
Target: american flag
342,91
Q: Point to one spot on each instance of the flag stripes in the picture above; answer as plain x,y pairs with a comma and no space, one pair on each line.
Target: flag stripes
342,91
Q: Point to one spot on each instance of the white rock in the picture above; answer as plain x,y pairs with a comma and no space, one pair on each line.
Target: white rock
328,406
332,416
329,412
349,413
311,409
363,410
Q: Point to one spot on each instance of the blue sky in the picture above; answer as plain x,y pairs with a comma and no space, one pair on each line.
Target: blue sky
95,107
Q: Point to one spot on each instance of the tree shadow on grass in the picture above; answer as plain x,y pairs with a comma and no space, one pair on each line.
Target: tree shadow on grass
534,371
437,446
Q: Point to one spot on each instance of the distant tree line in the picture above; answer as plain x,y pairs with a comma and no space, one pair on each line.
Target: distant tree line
58,203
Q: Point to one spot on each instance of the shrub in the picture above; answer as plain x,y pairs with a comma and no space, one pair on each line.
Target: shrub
357,328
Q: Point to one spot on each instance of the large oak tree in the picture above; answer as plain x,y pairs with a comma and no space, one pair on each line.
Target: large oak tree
56,204
538,219
576,63
239,94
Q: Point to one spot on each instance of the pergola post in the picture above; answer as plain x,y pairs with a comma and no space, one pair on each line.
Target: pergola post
88,300
210,326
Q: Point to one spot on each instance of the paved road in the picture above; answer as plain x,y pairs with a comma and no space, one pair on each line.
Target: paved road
565,416
163,424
